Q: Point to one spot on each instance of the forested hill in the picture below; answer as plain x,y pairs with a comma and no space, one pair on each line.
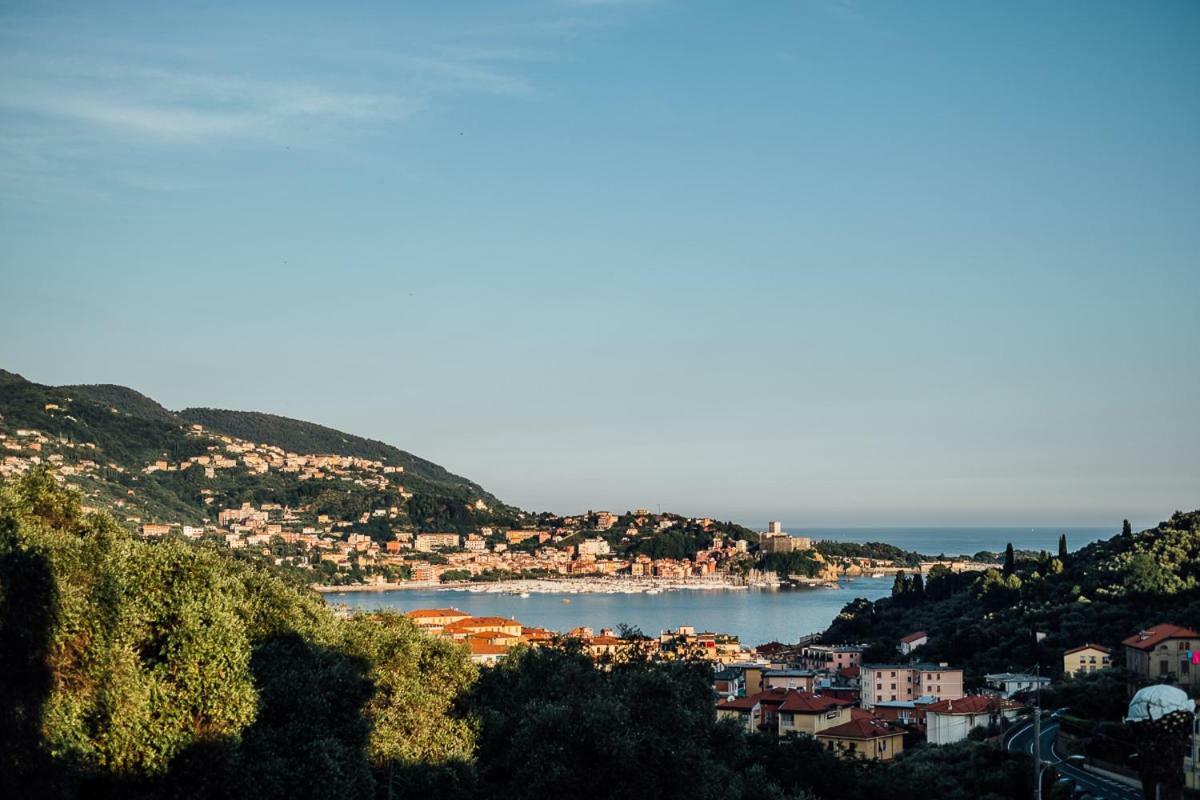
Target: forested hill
308,437
105,439
986,622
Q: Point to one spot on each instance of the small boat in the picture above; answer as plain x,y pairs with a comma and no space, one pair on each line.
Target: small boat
877,575
566,599
653,591
524,594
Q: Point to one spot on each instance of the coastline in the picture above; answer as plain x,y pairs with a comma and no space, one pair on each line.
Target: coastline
567,586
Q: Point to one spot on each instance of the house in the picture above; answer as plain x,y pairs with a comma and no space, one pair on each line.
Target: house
873,739
738,680
1007,684
949,721
804,712
831,657
1165,652
789,679
904,712
433,620
464,628
912,642
485,652
1086,658
754,712
881,683
150,529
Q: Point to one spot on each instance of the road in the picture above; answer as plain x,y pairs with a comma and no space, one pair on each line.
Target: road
1097,785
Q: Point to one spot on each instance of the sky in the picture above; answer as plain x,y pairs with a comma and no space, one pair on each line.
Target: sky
830,262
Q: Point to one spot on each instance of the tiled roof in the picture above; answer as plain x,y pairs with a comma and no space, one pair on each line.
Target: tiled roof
807,703
482,647
860,729
912,637
422,613
1152,637
975,704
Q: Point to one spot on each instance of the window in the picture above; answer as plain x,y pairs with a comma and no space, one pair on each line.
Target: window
893,687
1164,667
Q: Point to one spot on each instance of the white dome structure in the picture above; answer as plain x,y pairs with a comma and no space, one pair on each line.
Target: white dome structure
1155,702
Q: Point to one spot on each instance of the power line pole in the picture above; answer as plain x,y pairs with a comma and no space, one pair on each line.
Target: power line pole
1037,735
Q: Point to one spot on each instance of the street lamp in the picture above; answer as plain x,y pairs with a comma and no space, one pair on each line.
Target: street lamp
1076,759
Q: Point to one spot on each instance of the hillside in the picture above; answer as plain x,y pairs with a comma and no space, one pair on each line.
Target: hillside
307,437
986,622
107,440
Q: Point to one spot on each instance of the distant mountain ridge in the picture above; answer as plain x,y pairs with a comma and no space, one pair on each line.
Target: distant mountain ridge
124,431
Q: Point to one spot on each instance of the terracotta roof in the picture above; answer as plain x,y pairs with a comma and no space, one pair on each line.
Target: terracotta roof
605,641
1088,646
860,729
481,647
808,703
975,704
849,672
472,623
770,697
1152,637
422,613
912,637
738,704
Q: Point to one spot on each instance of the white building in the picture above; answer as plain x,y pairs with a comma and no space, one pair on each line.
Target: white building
950,721
1009,683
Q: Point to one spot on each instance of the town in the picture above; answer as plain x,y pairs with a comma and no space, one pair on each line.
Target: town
857,709
365,545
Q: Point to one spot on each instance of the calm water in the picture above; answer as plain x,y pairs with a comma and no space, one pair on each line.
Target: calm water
963,541
755,615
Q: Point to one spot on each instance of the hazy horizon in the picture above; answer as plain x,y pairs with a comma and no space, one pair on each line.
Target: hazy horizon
853,264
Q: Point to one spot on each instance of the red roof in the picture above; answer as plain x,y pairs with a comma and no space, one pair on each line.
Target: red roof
1152,637
808,703
770,697
912,637
435,612
481,647
1088,646
860,729
849,672
975,704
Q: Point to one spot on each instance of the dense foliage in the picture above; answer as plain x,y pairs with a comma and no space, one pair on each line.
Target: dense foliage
133,668
988,621
170,669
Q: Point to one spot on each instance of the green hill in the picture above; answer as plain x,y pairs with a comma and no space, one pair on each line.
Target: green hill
308,437
107,435
986,622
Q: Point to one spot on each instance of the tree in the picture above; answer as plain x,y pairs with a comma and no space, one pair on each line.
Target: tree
1010,560
1062,548
899,585
1126,529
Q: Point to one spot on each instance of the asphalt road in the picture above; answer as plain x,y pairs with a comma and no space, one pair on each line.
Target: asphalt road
1099,786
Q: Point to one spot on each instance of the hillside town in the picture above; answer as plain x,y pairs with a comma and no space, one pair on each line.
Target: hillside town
377,546
855,708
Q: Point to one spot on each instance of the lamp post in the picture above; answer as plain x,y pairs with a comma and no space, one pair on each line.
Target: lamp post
1042,769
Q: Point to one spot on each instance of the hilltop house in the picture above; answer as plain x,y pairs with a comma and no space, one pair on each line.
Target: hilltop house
912,642
949,721
1166,652
1086,658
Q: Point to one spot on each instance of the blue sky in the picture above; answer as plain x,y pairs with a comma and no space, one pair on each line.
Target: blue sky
832,262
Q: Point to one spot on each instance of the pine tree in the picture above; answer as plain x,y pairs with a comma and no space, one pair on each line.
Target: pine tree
1126,529
1062,548
917,586
1010,560
900,585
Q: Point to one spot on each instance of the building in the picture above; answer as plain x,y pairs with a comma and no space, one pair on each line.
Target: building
432,620
428,542
890,682
756,712
150,529
912,642
775,528
949,721
804,712
1086,658
465,628
873,739
738,680
776,543
593,547
801,679
1007,684
1165,652
831,657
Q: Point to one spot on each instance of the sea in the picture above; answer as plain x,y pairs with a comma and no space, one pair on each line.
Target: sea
756,616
